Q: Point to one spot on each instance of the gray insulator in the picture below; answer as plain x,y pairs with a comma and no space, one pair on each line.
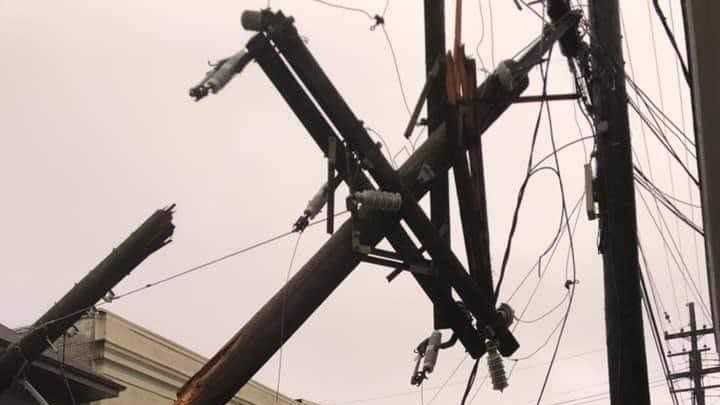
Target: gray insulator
379,200
496,368
431,352
317,202
252,20
229,68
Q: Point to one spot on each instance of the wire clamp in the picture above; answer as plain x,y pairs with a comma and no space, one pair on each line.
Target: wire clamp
379,20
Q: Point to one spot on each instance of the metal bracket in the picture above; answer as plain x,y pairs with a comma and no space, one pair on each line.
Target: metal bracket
547,97
332,159
590,193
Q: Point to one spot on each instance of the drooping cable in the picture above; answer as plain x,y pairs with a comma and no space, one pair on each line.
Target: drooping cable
521,192
631,79
573,283
182,273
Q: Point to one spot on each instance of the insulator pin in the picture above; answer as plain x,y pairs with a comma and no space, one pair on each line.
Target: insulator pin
379,200
496,368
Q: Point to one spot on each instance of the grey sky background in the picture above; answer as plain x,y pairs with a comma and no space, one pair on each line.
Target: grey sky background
98,131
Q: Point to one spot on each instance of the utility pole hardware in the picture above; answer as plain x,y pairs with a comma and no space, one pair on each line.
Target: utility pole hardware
377,211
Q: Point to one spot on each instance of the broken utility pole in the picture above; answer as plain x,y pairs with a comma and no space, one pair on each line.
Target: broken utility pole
278,49
627,362
152,235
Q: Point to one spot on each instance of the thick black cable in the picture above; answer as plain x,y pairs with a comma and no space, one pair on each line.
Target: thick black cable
664,193
651,188
664,142
673,42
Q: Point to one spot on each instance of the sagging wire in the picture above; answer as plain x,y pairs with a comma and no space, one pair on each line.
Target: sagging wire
521,192
180,274
684,270
645,183
649,161
572,282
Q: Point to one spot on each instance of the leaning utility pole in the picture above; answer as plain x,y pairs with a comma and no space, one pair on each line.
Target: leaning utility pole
696,371
627,363
152,235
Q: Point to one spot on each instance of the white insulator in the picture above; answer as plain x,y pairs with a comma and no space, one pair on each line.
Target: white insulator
496,368
431,352
229,68
379,200
317,202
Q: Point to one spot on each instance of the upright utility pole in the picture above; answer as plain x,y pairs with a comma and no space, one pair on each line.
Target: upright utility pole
627,363
696,371
435,48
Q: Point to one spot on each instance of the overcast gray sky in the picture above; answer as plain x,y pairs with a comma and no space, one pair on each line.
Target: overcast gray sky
98,131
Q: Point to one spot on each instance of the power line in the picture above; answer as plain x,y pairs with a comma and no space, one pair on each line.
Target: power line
673,42
218,260
647,155
652,189
181,274
572,285
655,330
397,69
282,316
447,380
687,277
379,20
528,175
346,8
